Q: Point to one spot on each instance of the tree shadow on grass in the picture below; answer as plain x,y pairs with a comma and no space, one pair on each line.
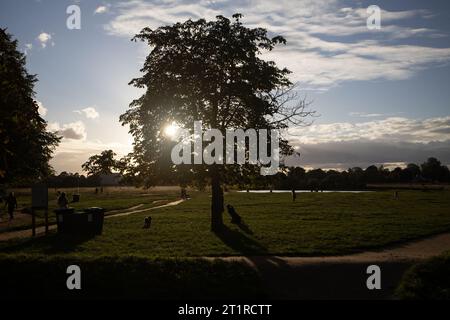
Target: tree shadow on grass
240,242
53,243
269,267
245,228
254,252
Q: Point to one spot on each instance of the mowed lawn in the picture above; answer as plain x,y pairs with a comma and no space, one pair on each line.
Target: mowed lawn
112,199
316,224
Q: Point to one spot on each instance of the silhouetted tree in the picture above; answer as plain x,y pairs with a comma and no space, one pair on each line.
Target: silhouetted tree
103,163
25,145
296,177
208,71
433,170
372,175
411,173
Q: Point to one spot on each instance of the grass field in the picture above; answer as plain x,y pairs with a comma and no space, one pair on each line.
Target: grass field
316,224
112,199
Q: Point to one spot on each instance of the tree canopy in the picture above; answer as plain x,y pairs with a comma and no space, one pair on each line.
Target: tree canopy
103,163
25,145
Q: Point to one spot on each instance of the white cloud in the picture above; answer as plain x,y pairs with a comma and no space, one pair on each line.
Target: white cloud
41,109
316,61
44,38
28,47
363,153
88,112
101,9
391,140
393,129
372,115
70,154
72,131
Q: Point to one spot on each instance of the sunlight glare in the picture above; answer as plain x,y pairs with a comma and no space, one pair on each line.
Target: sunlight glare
171,130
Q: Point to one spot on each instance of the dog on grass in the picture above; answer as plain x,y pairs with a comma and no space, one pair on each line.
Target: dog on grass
147,222
235,217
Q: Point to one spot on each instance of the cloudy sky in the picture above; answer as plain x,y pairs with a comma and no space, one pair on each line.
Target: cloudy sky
382,95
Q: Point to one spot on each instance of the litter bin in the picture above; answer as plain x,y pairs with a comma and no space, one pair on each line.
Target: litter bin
88,221
95,217
62,215
75,198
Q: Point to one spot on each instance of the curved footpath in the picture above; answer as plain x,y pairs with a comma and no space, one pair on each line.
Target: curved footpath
5,236
342,277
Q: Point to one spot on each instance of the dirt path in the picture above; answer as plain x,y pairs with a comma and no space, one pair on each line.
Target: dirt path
122,214
410,251
5,236
342,277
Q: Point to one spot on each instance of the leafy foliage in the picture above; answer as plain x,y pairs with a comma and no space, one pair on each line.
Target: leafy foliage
103,163
25,145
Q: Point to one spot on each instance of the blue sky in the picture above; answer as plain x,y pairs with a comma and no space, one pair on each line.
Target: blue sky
383,95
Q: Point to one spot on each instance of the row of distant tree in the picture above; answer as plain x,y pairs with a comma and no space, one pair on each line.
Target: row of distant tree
431,171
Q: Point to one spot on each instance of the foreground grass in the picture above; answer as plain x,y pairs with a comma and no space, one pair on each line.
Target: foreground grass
316,224
429,280
40,277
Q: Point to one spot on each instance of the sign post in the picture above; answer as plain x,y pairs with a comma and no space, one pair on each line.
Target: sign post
39,200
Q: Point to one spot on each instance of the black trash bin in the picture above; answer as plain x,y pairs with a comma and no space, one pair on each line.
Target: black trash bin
62,215
95,217
88,221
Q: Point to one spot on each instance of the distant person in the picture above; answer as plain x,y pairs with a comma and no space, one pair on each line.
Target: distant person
11,204
96,190
101,189
62,201
396,195
294,195
183,193
235,218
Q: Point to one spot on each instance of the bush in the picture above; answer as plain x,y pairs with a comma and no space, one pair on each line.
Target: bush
26,276
429,280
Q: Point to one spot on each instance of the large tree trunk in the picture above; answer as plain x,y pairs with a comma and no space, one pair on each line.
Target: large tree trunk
216,200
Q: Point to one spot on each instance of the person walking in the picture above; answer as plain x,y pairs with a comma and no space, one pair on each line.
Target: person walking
11,204
62,201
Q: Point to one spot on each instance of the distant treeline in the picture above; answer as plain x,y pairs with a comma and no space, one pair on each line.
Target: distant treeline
69,180
431,171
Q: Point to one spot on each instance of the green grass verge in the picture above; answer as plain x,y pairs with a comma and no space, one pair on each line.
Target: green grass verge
429,280
133,277
109,201
316,224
